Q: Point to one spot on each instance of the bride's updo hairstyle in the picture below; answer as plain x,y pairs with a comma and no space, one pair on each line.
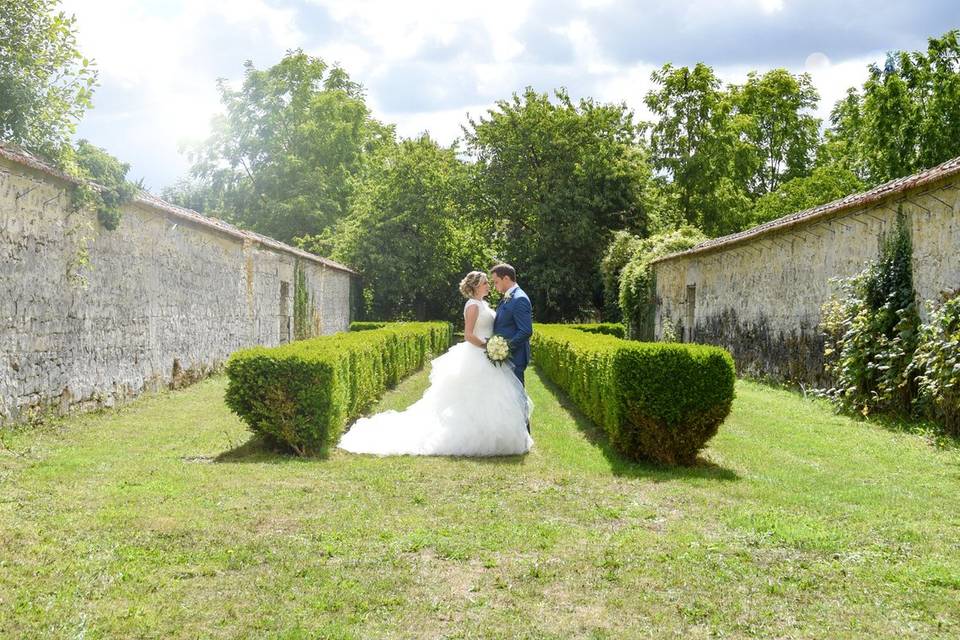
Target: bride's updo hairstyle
468,286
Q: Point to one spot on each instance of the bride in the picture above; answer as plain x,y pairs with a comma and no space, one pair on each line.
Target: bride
472,407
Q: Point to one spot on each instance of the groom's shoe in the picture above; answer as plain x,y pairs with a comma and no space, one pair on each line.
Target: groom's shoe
528,426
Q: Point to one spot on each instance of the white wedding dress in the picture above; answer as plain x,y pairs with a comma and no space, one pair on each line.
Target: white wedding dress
472,408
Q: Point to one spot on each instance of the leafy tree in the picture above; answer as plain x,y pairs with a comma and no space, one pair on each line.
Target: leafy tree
841,145
45,82
281,161
407,232
775,123
906,117
694,141
824,185
558,178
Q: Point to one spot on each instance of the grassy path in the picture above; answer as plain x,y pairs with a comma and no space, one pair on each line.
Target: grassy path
158,521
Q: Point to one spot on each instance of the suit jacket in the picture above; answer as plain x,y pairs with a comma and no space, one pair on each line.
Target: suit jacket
514,322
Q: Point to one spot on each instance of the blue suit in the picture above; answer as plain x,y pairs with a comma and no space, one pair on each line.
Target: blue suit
514,322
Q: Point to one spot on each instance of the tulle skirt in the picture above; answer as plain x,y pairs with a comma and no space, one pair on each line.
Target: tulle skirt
472,408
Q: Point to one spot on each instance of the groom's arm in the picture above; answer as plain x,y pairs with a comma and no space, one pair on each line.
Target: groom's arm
523,316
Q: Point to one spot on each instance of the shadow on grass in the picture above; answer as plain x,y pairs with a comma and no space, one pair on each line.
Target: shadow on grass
259,449
620,466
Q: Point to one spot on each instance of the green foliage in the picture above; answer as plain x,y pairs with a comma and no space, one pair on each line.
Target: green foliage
606,328
659,402
283,158
619,252
302,394
936,363
304,306
45,82
774,118
825,184
637,285
694,141
906,117
871,333
111,189
407,233
557,178
367,326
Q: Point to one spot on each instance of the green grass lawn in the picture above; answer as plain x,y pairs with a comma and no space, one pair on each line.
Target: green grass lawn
161,520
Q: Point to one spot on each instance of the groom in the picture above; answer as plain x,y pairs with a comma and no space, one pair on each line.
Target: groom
514,319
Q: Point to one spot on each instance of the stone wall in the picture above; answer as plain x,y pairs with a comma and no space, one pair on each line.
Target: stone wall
168,296
761,297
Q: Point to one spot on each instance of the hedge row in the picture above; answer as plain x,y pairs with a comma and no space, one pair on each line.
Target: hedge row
607,328
302,394
656,401
367,326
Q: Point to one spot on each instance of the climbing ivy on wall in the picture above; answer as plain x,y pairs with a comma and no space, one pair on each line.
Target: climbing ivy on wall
303,304
871,331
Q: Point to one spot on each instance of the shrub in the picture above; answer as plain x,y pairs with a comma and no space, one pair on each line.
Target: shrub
367,326
302,394
937,364
871,332
607,328
655,401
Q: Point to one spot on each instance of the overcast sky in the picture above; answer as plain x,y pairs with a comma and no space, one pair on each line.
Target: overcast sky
427,64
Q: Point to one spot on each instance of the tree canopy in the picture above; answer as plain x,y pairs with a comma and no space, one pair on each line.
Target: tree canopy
46,84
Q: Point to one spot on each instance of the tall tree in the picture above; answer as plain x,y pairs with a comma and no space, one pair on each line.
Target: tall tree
776,122
694,140
46,84
558,178
906,117
825,184
408,233
282,159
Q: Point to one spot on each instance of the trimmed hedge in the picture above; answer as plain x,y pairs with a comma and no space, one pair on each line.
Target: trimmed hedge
614,329
367,326
302,394
656,401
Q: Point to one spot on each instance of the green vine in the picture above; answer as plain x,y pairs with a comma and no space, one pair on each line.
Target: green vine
102,187
871,333
303,304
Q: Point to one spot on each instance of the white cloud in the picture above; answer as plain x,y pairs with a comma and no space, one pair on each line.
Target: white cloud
159,59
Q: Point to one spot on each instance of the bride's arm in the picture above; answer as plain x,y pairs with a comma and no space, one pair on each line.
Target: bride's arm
470,315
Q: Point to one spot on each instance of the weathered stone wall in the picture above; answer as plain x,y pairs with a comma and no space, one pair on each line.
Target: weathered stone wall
761,298
168,298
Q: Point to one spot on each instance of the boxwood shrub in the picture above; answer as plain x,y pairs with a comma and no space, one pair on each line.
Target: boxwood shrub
655,401
302,394
607,328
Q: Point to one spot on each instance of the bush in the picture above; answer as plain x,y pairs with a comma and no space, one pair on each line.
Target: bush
367,326
871,332
937,364
606,328
302,394
655,401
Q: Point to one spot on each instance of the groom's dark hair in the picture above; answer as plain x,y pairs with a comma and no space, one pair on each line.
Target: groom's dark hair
504,270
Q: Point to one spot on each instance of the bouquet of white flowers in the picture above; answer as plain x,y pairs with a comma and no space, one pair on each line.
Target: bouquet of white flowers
498,350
